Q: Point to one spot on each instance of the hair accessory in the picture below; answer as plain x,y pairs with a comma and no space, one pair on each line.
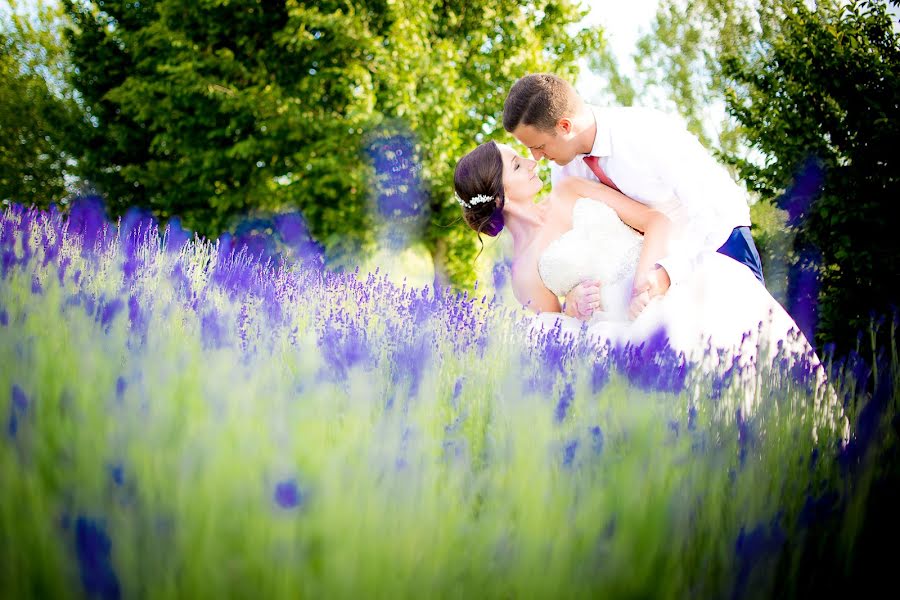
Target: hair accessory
479,199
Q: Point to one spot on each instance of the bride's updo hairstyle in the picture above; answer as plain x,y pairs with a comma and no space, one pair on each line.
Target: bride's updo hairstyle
478,180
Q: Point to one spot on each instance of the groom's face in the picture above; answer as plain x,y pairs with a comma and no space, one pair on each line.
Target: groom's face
557,144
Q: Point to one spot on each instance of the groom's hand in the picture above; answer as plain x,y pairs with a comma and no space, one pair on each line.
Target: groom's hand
583,299
655,283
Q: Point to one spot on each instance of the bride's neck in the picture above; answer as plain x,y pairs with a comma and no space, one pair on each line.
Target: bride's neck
524,222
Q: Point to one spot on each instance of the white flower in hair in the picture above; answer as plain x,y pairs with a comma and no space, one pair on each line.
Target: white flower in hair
479,199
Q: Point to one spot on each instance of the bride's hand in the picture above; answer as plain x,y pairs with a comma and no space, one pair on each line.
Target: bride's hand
583,299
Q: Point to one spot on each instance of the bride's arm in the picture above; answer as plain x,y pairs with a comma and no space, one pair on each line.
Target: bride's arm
655,225
530,291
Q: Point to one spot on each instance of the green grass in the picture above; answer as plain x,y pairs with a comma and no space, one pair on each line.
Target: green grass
173,446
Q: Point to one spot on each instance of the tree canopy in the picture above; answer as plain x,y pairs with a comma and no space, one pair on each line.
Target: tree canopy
38,114
809,99
211,110
819,97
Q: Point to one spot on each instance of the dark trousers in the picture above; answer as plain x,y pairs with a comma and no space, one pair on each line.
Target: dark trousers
741,248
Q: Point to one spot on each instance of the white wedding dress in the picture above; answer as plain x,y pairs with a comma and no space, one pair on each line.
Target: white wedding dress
720,316
720,306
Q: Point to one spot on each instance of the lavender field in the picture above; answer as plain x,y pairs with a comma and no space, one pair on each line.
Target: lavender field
188,419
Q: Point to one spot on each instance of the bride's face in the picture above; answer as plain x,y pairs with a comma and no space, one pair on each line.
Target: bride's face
520,181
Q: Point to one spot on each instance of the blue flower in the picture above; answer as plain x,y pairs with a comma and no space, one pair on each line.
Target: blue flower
117,474
93,548
109,311
175,236
457,390
17,409
597,439
599,376
287,494
569,453
565,400
211,329
87,218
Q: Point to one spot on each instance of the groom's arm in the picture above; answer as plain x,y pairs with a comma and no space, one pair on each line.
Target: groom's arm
655,225
713,203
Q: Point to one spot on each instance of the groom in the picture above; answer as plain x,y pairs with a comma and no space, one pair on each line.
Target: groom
647,156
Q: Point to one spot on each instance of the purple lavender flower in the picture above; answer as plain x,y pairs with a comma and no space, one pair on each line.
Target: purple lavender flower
136,315
61,269
400,201
109,311
744,435
211,329
653,365
17,409
596,439
500,274
117,474
294,234
51,249
816,510
569,453
87,218
807,186
692,418
121,386
287,494
457,390
7,260
565,400
599,376
175,236
343,346
803,291
408,359
755,550
93,548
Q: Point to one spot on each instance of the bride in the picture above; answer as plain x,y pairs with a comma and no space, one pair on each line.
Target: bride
584,231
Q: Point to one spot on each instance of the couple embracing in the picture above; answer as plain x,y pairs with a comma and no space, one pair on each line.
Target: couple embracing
642,231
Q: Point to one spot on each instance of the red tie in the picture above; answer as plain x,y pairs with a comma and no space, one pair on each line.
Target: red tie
594,164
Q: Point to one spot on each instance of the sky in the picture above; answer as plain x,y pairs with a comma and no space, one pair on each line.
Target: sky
624,21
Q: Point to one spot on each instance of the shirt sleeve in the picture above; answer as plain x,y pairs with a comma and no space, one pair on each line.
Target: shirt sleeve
713,203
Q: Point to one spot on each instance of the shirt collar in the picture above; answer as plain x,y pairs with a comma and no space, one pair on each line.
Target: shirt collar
602,145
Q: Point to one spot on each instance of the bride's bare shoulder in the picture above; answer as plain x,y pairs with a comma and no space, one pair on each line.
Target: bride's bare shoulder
567,186
524,264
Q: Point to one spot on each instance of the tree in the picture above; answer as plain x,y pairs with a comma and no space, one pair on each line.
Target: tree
678,64
212,109
37,111
819,97
810,103
678,68
448,67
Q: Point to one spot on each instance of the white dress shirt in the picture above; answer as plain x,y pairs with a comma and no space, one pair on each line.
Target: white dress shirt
655,160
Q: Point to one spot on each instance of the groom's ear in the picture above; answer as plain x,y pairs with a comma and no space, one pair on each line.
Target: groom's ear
564,125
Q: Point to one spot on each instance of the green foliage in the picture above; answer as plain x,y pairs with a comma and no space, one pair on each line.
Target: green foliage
677,64
803,89
822,91
211,110
37,111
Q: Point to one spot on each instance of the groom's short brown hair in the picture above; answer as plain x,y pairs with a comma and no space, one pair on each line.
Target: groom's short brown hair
539,100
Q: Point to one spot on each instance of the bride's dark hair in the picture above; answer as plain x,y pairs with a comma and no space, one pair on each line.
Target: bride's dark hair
480,173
